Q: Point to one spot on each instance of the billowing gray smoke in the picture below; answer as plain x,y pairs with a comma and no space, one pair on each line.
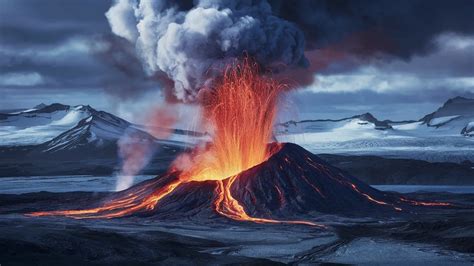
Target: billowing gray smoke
189,40
192,45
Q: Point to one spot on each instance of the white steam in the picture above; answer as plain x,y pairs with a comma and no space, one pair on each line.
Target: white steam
135,152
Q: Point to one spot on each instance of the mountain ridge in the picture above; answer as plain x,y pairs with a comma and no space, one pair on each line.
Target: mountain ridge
86,143
455,114
457,106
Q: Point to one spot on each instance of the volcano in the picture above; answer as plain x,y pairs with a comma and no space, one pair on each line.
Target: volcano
241,177
292,183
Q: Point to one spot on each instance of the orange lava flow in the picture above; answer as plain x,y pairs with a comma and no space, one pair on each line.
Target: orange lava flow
229,207
117,208
424,203
241,109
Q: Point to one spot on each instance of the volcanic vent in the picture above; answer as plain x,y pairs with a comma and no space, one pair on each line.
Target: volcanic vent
241,177
291,183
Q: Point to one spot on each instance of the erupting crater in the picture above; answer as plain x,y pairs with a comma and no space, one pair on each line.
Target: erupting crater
291,183
242,177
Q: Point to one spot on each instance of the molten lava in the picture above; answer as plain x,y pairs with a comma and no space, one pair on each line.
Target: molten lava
241,110
229,207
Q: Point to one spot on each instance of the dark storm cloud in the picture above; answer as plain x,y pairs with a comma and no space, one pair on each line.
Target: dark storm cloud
31,23
66,46
400,28
453,56
367,96
189,45
50,38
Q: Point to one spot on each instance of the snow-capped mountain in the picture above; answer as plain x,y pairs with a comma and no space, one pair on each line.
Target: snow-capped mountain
454,118
443,135
355,127
40,124
456,114
60,127
87,142
458,106
98,130
363,123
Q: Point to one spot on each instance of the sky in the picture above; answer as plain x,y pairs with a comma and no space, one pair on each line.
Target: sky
397,61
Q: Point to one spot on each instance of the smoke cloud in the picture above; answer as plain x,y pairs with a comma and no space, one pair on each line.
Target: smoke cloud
192,45
190,41
397,28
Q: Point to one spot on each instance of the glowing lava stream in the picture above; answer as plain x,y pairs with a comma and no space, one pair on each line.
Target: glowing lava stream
117,208
241,110
229,207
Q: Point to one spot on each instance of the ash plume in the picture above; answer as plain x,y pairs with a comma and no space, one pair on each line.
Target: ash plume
192,43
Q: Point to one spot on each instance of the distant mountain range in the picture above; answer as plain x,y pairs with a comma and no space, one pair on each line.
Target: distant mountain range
62,139
59,127
444,135
456,116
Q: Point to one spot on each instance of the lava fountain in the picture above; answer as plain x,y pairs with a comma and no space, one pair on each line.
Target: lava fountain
247,173
241,110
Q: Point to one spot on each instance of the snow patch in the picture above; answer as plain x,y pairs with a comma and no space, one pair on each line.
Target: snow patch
438,121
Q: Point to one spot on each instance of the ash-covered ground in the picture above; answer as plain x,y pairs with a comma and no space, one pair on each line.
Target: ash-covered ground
430,237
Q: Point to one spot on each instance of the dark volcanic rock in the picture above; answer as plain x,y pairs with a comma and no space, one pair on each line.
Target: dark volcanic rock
291,183
295,181
381,125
